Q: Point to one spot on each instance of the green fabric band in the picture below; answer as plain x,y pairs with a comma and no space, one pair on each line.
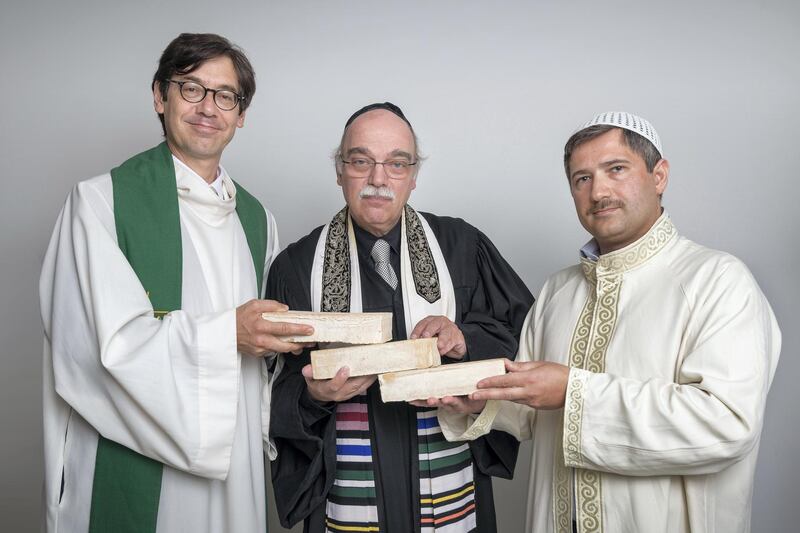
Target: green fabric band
127,485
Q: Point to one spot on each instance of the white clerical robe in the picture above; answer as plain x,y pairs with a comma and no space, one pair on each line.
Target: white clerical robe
174,390
672,348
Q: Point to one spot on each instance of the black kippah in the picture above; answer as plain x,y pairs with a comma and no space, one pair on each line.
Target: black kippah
388,106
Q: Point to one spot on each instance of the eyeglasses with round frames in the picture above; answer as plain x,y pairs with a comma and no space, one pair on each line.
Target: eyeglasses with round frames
361,167
193,92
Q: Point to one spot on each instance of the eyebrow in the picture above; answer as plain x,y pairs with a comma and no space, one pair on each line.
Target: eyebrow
614,162
604,164
400,153
223,87
579,171
358,150
364,151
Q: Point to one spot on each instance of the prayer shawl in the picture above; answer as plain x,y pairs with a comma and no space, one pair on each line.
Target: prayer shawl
127,485
446,476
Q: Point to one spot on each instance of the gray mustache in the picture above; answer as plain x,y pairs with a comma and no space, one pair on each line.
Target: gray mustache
381,192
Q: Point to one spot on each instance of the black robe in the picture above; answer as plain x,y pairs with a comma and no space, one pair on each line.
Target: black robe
491,305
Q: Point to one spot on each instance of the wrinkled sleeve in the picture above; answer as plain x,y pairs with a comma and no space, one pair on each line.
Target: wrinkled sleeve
494,316
273,249
504,416
491,327
167,389
303,431
708,419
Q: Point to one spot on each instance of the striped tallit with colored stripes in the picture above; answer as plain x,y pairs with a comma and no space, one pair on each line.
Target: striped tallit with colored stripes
446,485
447,488
351,504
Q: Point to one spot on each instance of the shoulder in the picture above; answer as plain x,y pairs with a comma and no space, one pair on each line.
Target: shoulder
96,194
444,226
695,264
457,238
243,194
289,278
245,200
710,279
559,281
299,256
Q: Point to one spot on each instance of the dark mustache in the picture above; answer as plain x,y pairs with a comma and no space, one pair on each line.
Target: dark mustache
606,203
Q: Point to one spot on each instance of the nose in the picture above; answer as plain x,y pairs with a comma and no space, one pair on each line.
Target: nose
600,187
207,105
378,176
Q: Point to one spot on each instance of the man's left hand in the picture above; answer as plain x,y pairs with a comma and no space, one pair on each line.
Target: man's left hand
451,341
538,384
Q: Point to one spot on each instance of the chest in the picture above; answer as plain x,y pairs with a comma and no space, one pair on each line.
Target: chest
633,324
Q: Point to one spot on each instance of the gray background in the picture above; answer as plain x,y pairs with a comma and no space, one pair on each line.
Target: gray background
493,91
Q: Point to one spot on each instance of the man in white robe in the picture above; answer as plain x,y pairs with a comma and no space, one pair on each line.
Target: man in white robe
152,418
643,371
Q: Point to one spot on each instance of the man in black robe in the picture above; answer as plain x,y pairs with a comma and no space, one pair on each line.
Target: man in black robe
346,460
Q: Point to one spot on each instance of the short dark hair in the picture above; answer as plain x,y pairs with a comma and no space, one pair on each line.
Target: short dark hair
188,51
635,142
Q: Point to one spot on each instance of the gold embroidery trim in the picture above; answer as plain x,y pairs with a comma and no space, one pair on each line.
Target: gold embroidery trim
483,424
423,267
562,487
336,268
573,411
590,502
590,341
562,492
588,348
337,272
634,254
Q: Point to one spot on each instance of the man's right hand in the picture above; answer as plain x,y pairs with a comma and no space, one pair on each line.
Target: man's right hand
462,405
339,388
256,336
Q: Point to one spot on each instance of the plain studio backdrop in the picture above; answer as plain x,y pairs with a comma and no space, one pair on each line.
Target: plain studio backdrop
493,91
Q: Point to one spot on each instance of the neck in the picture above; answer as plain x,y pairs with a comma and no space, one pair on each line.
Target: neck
206,168
377,231
608,247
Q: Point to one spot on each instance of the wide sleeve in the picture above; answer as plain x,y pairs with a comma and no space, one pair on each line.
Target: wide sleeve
303,431
491,325
492,319
509,417
273,249
708,419
167,389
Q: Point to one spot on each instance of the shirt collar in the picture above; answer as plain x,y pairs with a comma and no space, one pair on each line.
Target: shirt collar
590,250
366,240
200,196
631,256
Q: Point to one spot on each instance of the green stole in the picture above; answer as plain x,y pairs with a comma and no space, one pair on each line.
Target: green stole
127,485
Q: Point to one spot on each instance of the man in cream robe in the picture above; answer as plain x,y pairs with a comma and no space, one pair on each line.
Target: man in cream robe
643,371
152,416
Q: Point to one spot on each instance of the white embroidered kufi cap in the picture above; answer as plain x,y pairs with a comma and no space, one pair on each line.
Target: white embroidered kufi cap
630,122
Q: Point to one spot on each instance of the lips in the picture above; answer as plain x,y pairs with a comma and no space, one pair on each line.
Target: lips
604,211
605,206
203,125
377,199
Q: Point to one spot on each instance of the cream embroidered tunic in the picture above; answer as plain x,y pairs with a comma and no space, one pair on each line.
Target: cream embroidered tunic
672,348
